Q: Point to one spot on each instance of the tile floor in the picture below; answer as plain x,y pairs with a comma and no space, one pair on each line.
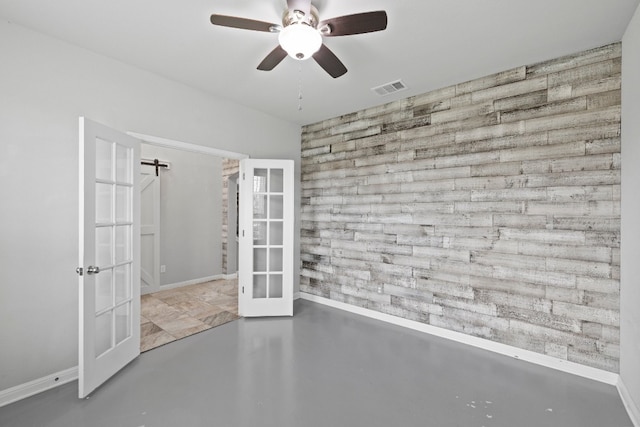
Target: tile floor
173,314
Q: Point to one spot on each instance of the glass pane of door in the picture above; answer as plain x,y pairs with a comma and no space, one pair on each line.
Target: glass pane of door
122,323
276,184
103,333
260,286
275,286
104,156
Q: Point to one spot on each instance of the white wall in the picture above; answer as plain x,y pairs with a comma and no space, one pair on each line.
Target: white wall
190,214
45,85
630,244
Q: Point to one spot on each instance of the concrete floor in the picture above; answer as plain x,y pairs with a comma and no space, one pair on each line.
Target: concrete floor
325,367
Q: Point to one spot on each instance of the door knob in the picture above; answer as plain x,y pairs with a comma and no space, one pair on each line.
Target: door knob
93,270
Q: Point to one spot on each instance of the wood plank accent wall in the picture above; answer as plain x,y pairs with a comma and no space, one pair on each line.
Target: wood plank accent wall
491,208
229,167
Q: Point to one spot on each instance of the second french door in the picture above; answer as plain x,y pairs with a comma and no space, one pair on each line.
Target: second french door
265,273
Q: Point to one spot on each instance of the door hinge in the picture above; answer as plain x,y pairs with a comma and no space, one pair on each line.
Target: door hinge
243,289
243,176
242,233
80,271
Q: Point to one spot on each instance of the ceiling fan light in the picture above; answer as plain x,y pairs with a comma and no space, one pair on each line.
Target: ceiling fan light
300,40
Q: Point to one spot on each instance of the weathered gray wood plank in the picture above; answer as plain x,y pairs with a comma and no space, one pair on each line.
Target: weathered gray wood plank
491,207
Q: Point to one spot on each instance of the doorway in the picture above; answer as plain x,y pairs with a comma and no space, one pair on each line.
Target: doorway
196,262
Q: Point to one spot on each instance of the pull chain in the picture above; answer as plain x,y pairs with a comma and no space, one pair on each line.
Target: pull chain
300,87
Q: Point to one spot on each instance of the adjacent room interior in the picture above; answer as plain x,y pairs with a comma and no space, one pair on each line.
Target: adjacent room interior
464,232
188,256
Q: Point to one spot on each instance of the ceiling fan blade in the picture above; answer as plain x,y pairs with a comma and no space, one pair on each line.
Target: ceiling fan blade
302,5
329,61
359,23
272,59
242,23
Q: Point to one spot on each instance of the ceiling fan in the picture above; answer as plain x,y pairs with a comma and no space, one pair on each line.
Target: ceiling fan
301,32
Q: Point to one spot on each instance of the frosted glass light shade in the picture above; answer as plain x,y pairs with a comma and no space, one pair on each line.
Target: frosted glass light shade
300,41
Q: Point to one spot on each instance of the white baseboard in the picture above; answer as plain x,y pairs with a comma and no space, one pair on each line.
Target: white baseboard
230,276
632,408
507,350
192,282
39,385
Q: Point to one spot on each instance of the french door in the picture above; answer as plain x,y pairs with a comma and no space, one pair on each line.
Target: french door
265,273
109,266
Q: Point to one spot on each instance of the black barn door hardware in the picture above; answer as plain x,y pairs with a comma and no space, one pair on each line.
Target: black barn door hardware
155,163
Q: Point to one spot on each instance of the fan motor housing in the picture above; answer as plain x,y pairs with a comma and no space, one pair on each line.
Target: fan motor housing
292,16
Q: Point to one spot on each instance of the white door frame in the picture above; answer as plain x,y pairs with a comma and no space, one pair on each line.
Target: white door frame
187,146
232,221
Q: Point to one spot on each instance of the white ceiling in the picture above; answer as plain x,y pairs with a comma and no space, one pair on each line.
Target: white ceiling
428,44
